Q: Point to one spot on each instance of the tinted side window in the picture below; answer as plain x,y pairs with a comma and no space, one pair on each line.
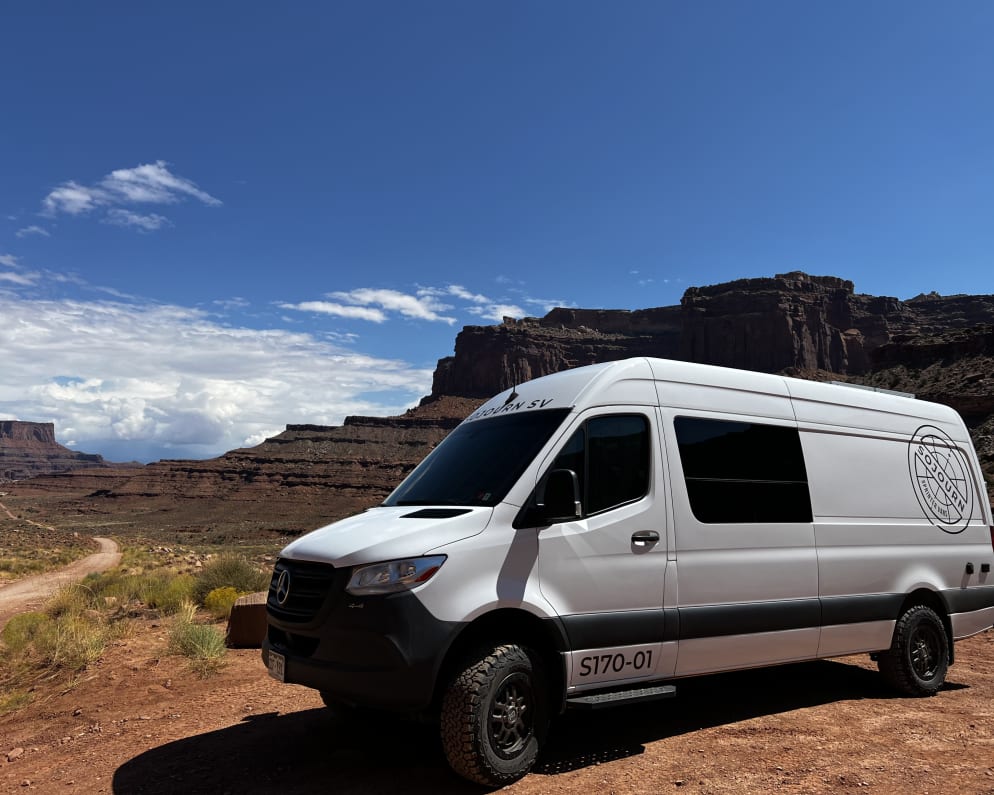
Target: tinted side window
610,456
739,472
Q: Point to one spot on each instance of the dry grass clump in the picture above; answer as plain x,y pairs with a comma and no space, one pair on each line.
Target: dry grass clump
201,643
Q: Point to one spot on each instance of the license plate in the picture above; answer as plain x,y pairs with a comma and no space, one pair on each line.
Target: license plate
277,666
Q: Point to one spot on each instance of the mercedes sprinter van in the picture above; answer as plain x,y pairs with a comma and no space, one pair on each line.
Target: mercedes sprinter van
587,538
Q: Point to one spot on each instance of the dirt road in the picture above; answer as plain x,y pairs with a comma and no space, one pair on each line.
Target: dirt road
31,592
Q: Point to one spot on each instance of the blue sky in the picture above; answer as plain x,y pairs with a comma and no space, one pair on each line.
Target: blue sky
220,218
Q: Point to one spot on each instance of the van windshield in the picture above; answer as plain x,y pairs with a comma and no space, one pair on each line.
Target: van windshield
479,461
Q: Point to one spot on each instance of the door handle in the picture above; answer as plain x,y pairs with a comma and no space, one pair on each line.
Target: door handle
645,538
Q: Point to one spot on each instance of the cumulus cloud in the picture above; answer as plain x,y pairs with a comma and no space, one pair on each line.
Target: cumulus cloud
167,379
148,183
34,229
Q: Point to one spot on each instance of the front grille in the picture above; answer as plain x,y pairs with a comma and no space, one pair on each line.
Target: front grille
309,587
297,644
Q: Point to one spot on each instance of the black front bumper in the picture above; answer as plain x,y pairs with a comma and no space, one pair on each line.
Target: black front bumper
382,652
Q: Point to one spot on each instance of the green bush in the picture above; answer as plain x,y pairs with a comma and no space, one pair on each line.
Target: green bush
220,601
230,570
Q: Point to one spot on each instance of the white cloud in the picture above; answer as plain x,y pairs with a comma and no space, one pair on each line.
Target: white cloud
164,378
9,260
497,311
421,307
146,223
148,183
34,229
236,302
153,183
22,279
377,305
73,198
457,291
338,310
547,304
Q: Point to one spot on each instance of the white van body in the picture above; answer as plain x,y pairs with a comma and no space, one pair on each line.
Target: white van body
723,519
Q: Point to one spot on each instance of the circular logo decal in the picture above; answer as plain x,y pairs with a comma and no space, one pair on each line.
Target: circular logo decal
283,587
941,478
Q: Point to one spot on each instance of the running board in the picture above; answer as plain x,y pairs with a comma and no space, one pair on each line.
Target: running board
620,698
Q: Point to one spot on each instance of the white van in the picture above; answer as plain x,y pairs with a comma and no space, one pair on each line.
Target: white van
586,538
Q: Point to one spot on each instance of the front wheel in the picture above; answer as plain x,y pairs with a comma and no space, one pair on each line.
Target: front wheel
918,658
494,716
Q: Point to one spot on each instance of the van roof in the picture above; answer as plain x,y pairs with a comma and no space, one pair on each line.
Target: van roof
633,382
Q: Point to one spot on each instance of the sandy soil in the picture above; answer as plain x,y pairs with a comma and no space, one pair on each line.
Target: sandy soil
140,722
31,592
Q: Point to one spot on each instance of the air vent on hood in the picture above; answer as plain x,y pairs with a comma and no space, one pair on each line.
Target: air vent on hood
435,513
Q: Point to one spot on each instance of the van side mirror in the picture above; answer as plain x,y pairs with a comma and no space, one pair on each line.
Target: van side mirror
558,496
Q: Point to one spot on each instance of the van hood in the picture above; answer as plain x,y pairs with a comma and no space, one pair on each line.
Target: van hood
388,534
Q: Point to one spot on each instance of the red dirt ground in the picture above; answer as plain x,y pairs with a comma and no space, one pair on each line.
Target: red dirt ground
140,722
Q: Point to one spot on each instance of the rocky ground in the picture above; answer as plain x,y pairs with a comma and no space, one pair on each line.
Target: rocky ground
140,721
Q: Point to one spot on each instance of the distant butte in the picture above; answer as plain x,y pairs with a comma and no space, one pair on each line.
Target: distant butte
28,449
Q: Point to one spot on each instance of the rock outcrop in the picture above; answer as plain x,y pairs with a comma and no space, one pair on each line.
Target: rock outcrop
28,449
792,320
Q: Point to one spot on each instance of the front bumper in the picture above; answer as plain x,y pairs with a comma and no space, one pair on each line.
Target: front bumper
382,652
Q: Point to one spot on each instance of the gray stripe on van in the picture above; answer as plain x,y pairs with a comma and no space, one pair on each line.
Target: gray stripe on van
631,627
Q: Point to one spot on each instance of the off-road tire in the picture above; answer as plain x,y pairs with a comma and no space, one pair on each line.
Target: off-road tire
494,716
918,658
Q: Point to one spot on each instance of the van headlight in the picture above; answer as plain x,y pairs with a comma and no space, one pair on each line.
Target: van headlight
393,575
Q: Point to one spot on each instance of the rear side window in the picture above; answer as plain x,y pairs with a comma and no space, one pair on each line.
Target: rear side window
610,456
741,472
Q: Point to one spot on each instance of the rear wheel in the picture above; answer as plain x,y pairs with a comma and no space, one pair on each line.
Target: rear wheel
918,658
494,716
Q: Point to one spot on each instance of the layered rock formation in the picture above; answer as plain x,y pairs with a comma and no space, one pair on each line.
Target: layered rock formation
790,321
305,477
28,449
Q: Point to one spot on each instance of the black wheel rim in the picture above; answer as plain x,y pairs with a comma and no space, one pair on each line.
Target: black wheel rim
512,712
926,652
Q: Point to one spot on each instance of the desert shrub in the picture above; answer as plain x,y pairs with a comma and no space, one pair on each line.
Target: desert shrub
220,601
165,592
230,570
72,641
68,636
158,590
201,643
70,600
21,630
